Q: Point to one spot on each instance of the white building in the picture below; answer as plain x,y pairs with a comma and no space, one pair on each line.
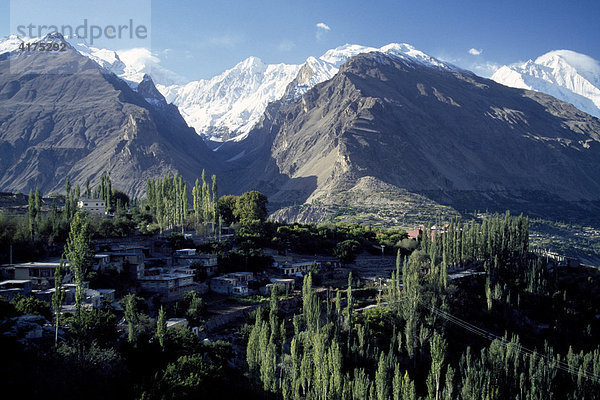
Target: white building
232,283
296,268
93,206
286,285
172,286
206,264
41,273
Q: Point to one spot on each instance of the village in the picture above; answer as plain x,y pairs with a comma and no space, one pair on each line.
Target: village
150,268
178,297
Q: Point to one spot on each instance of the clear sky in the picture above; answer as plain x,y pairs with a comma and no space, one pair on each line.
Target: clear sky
199,39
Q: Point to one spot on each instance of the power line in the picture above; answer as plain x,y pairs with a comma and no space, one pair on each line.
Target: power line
563,366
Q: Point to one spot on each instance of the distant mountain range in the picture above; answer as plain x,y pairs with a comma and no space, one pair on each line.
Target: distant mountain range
564,74
230,104
379,133
448,134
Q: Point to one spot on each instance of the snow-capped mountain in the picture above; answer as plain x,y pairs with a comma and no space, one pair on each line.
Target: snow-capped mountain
230,104
564,74
10,43
130,65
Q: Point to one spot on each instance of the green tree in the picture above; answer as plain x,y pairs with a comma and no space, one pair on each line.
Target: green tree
311,306
349,303
251,206
78,252
195,307
161,327
408,391
438,348
226,206
215,207
253,346
58,297
31,305
131,316
88,190
206,202
382,378
347,250
34,212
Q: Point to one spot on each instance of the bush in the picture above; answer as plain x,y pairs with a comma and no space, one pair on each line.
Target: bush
31,305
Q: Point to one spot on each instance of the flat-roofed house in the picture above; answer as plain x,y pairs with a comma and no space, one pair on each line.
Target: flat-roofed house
171,285
232,283
40,273
297,267
93,206
11,288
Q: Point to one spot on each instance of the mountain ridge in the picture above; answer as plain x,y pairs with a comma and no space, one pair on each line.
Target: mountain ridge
564,74
423,130
62,115
218,115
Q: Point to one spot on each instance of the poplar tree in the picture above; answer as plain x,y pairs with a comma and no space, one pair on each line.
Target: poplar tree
161,327
79,254
382,378
131,316
32,214
67,197
252,348
197,197
411,291
437,348
206,203
78,248
349,304
88,191
58,297
215,196
408,391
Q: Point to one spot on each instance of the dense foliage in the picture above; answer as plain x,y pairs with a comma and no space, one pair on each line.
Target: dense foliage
401,350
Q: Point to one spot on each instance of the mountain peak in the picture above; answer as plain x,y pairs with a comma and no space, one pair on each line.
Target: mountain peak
228,105
339,55
251,64
565,74
585,65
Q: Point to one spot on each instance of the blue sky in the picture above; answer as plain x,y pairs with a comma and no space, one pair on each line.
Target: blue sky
199,39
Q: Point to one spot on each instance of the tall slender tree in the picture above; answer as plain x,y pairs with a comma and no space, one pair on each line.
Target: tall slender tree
131,316
58,297
79,254
161,327
215,196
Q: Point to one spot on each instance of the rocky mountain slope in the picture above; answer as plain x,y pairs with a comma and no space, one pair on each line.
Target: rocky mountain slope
444,133
228,105
61,115
376,134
